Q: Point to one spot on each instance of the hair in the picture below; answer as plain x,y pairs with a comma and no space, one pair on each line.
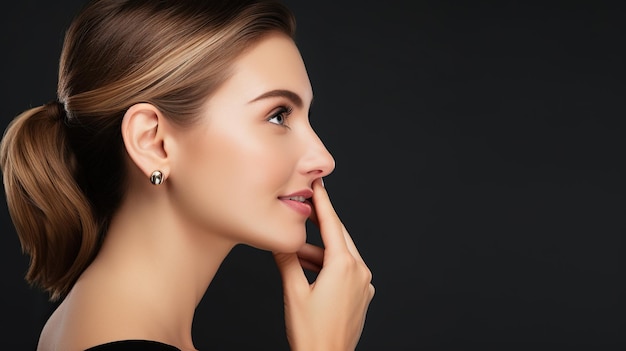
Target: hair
63,163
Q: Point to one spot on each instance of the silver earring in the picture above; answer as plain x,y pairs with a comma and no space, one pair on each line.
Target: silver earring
156,177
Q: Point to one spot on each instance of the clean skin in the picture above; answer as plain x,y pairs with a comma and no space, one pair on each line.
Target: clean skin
239,175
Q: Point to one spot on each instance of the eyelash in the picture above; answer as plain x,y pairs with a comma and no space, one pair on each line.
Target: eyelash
282,111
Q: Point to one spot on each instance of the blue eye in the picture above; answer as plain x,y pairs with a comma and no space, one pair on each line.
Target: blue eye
277,119
280,116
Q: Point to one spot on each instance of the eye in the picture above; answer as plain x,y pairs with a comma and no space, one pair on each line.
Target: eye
280,116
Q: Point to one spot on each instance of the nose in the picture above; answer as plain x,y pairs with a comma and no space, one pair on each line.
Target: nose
317,160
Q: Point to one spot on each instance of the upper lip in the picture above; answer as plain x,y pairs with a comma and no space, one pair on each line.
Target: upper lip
306,193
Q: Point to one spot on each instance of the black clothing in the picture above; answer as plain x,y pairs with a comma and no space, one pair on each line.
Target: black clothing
133,345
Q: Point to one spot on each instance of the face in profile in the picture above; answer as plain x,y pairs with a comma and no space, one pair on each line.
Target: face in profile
244,170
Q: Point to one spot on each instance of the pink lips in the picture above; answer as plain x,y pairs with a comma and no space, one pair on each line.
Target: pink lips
294,201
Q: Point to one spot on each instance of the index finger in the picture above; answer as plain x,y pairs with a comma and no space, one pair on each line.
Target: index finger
331,228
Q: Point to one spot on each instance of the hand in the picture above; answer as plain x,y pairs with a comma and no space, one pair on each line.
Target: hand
328,314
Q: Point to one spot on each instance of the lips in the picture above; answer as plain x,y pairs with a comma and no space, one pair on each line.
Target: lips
295,198
299,201
300,196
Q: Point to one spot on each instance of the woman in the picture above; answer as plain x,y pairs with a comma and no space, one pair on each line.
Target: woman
181,130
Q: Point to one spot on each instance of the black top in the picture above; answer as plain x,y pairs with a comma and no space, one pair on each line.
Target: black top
134,345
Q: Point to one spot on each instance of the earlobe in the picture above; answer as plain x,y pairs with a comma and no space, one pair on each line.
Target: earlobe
143,133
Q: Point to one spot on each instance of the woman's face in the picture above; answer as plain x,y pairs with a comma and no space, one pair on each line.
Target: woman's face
243,171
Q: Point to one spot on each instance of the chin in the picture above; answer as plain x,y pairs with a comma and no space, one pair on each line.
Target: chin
288,242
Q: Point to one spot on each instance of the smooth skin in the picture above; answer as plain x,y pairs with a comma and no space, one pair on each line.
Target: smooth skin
228,181
328,314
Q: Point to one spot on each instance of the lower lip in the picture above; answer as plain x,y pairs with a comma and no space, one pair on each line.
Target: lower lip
300,207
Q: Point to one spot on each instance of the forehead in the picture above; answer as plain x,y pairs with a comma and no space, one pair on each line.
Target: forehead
274,63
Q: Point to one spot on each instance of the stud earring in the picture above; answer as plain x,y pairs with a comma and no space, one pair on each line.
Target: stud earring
156,177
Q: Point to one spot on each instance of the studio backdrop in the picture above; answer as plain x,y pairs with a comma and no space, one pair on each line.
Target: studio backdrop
480,168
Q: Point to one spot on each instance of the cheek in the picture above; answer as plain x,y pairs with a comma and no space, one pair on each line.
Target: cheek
249,164
229,182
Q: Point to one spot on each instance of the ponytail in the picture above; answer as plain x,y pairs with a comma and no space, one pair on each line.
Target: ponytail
52,216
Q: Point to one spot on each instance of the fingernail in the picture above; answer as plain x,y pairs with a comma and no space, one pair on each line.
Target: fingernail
322,181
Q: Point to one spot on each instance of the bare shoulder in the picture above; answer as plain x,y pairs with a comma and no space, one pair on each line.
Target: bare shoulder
70,327
87,318
48,338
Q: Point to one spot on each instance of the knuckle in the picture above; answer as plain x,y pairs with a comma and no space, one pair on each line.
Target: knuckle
367,274
372,291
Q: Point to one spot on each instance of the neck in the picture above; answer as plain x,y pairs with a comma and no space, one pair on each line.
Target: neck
157,264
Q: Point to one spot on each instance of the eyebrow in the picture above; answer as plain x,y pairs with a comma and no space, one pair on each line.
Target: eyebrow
290,95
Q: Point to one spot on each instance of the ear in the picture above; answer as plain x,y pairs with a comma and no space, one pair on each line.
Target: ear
144,133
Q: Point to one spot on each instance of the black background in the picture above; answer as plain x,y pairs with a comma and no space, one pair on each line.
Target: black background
480,170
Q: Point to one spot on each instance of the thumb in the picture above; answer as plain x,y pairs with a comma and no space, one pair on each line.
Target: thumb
291,271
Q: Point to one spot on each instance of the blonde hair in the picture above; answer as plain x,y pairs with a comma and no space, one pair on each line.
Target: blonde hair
63,162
